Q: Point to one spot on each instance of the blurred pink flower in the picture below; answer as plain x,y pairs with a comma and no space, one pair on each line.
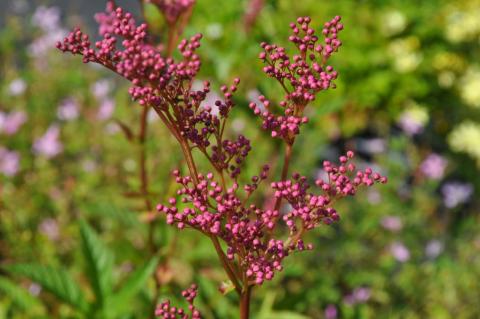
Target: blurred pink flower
46,18
68,110
456,193
392,223
9,162
331,312
374,196
10,123
371,145
359,295
400,252
107,107
434,248
101,89
434,166
49,145
362,294
17,87
49,227
34,289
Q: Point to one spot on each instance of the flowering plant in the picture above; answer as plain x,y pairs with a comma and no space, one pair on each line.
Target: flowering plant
257,238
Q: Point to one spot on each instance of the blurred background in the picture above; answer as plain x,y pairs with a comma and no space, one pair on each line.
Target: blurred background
407,101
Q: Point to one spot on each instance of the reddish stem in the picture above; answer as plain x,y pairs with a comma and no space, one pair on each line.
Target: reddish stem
245,302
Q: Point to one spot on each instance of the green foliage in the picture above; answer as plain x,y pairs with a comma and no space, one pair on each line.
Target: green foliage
56,281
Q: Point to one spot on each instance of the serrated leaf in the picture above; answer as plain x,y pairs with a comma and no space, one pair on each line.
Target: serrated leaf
56,281
99,264
134,283
19,296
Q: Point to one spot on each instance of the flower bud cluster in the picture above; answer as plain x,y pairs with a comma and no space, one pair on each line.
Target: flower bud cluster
205,125
302,76
165,84
166,311
124,48
309,210
246,229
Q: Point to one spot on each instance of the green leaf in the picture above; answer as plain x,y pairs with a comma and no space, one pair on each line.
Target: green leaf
99,264
18,295
134,283
56,281
285,315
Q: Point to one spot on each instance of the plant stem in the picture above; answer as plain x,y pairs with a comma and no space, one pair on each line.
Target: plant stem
245,302
226,265
286,164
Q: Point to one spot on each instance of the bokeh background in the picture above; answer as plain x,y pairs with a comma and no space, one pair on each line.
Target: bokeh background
407,101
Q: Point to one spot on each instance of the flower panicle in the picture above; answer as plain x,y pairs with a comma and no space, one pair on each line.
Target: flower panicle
302,75
166,311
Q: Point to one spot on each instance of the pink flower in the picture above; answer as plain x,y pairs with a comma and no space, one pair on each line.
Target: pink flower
68,110
49,145
456,193
17,87
358,296
46,18
400,252
9,162
392,223
107,107
331,312
434,248
434,166
101,89
10,123
49,227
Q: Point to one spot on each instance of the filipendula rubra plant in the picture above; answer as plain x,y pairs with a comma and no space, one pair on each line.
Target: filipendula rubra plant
257,240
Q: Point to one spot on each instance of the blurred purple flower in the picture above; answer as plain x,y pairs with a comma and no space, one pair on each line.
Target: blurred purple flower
413,120
362,294
46,42
400,252
371,146
434,248
9,162
17,87
49,145
392,223
46,18
34,289
331,312
49,227
434,166
101,89
107,107
68,110
455,193
358,296
374,196
10,123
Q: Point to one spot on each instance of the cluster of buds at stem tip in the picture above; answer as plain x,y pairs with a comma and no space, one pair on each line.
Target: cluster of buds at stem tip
166,311
301,76
165,85
247,229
